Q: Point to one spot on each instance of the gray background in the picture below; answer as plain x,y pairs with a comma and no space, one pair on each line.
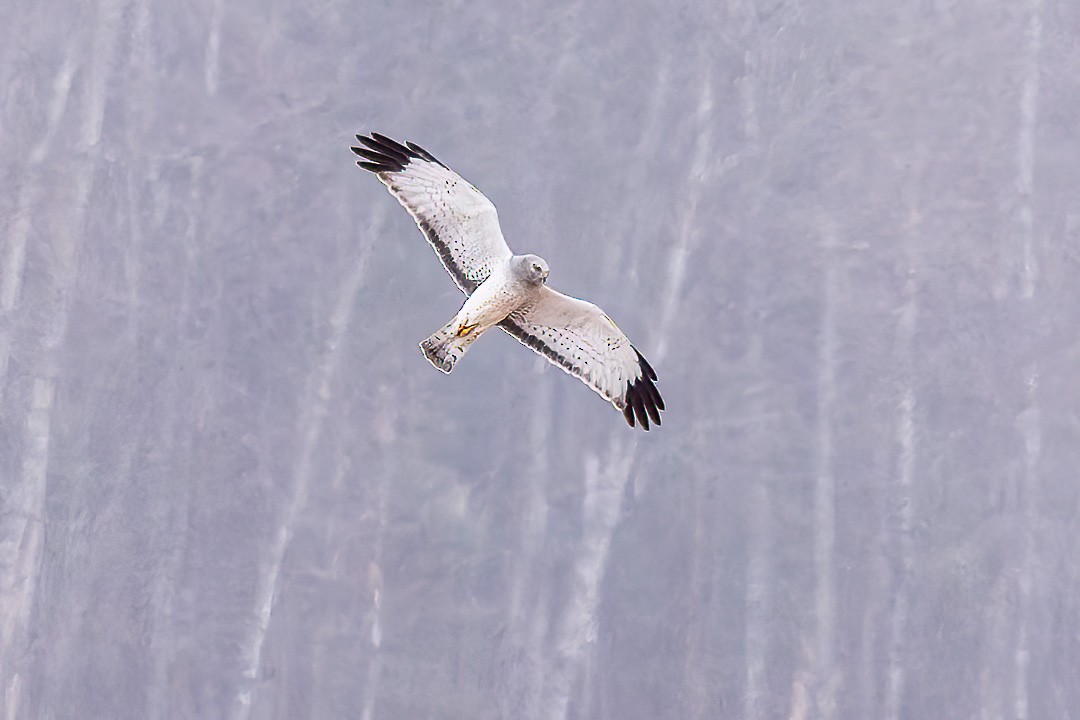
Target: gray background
846,234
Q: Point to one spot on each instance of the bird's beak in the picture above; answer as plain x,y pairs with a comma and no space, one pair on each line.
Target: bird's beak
544,276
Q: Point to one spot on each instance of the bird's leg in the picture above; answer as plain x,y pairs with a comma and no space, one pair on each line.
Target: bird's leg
466,328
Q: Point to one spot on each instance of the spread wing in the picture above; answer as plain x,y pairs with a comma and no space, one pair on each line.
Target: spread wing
459,222
578,337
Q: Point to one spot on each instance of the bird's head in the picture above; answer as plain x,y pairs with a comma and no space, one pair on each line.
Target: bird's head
534,269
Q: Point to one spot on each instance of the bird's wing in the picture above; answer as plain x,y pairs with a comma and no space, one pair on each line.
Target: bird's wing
459,222
578,337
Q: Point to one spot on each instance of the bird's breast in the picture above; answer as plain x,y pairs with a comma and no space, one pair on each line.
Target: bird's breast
493,300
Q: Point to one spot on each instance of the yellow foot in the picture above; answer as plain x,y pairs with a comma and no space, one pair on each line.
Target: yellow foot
466,329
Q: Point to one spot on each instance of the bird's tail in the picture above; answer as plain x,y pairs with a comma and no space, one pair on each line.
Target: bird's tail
447,344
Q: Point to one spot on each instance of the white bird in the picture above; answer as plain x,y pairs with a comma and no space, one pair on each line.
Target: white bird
504,289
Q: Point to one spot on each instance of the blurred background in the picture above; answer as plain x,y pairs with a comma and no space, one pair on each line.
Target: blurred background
846,235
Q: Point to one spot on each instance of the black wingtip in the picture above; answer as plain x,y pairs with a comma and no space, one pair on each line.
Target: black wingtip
645,366
374,167
413,147
382,156
376,157
642,398
640,411
388,154
383,139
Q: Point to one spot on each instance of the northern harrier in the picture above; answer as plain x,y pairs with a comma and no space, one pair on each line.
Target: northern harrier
504,289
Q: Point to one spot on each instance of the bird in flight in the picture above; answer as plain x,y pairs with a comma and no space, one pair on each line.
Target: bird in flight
507,290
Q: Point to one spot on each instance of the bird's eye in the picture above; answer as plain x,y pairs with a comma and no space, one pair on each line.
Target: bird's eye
536,268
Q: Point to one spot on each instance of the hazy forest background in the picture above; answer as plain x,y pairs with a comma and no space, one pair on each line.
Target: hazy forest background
846,234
